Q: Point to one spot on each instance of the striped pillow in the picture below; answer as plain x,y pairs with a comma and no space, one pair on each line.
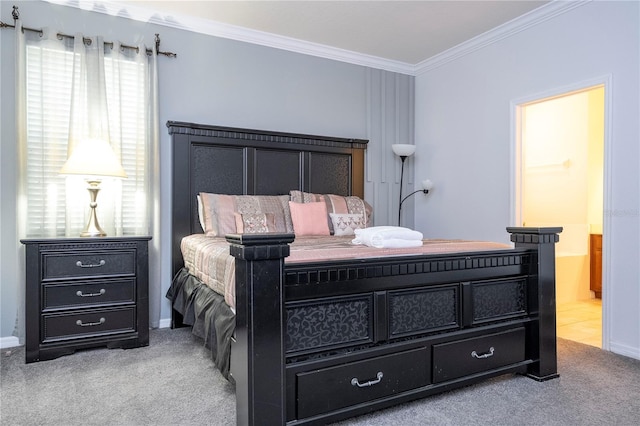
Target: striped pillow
219,212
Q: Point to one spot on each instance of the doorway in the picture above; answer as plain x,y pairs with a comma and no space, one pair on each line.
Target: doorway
560,174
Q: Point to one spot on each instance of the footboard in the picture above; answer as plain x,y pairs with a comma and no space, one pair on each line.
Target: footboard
332,340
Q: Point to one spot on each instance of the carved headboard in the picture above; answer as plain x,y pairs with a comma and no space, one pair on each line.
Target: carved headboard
225,160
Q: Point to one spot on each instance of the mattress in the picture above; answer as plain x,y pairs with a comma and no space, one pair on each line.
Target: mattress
208,258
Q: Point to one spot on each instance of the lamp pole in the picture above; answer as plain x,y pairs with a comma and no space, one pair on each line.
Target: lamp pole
402,157
403,151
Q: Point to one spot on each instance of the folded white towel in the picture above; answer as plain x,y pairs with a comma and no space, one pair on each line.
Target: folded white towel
388,237
396,243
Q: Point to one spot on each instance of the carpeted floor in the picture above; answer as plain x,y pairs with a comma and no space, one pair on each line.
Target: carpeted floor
173,382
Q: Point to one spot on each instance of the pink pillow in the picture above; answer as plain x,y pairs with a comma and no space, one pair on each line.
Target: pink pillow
309,218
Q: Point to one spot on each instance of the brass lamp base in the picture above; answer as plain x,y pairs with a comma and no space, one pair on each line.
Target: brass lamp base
93,228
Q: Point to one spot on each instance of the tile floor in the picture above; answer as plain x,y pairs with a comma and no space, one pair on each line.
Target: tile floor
580,321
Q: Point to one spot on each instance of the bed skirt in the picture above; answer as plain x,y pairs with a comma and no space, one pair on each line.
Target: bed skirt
207,313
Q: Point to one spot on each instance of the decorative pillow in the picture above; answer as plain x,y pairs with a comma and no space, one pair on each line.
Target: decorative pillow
219,209
336,204
309,218
346,223
254,223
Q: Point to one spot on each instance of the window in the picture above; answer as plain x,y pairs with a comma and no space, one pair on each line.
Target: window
58,205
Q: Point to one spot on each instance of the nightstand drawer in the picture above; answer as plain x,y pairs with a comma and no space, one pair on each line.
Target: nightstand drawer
336,387
88,293
469,356
93,322
84,264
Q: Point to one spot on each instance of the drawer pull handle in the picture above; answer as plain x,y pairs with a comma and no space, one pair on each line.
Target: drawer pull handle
81,294
484,355
90,324
356,382
91,265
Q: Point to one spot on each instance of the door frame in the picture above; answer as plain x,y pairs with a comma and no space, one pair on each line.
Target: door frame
516,175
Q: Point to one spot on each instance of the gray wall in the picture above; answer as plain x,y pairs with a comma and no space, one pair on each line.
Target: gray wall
222,82
465,138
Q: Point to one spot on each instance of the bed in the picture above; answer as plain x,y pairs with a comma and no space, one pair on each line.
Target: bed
315,341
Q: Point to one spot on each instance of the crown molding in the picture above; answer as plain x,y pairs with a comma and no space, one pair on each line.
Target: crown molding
261,38
232,32
508,29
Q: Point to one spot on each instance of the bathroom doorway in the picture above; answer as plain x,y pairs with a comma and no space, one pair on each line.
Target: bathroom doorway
560,183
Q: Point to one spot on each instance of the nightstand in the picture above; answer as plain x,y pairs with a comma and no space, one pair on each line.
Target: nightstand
85,292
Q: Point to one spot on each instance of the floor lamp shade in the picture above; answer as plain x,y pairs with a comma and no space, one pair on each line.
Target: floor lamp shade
94,159
403,149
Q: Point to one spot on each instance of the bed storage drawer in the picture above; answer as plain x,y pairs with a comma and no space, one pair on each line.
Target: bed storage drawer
332,388
464,357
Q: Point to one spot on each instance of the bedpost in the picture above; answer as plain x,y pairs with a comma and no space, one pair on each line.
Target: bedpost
257,365
542,296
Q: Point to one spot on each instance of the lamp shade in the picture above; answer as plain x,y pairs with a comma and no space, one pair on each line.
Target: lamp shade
427,184
403,149
93,157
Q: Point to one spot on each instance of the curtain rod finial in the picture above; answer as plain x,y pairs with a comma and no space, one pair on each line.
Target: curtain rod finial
15,13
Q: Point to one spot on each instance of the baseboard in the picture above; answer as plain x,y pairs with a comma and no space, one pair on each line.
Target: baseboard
164,323
9,342
625,350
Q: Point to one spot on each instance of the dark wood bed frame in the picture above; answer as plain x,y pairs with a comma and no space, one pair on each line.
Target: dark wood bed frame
375,332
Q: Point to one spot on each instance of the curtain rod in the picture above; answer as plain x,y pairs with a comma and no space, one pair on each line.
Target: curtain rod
87,40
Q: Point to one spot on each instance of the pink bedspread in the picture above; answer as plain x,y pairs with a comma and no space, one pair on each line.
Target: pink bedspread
208,259
312,249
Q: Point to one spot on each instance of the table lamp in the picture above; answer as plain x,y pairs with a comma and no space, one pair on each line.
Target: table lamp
94,159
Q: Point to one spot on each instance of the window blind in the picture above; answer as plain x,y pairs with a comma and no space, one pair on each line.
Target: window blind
48,105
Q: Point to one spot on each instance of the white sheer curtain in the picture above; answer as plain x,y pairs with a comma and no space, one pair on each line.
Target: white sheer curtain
89,119
21,140
155,253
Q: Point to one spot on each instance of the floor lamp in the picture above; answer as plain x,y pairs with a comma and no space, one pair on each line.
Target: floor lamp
403,151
